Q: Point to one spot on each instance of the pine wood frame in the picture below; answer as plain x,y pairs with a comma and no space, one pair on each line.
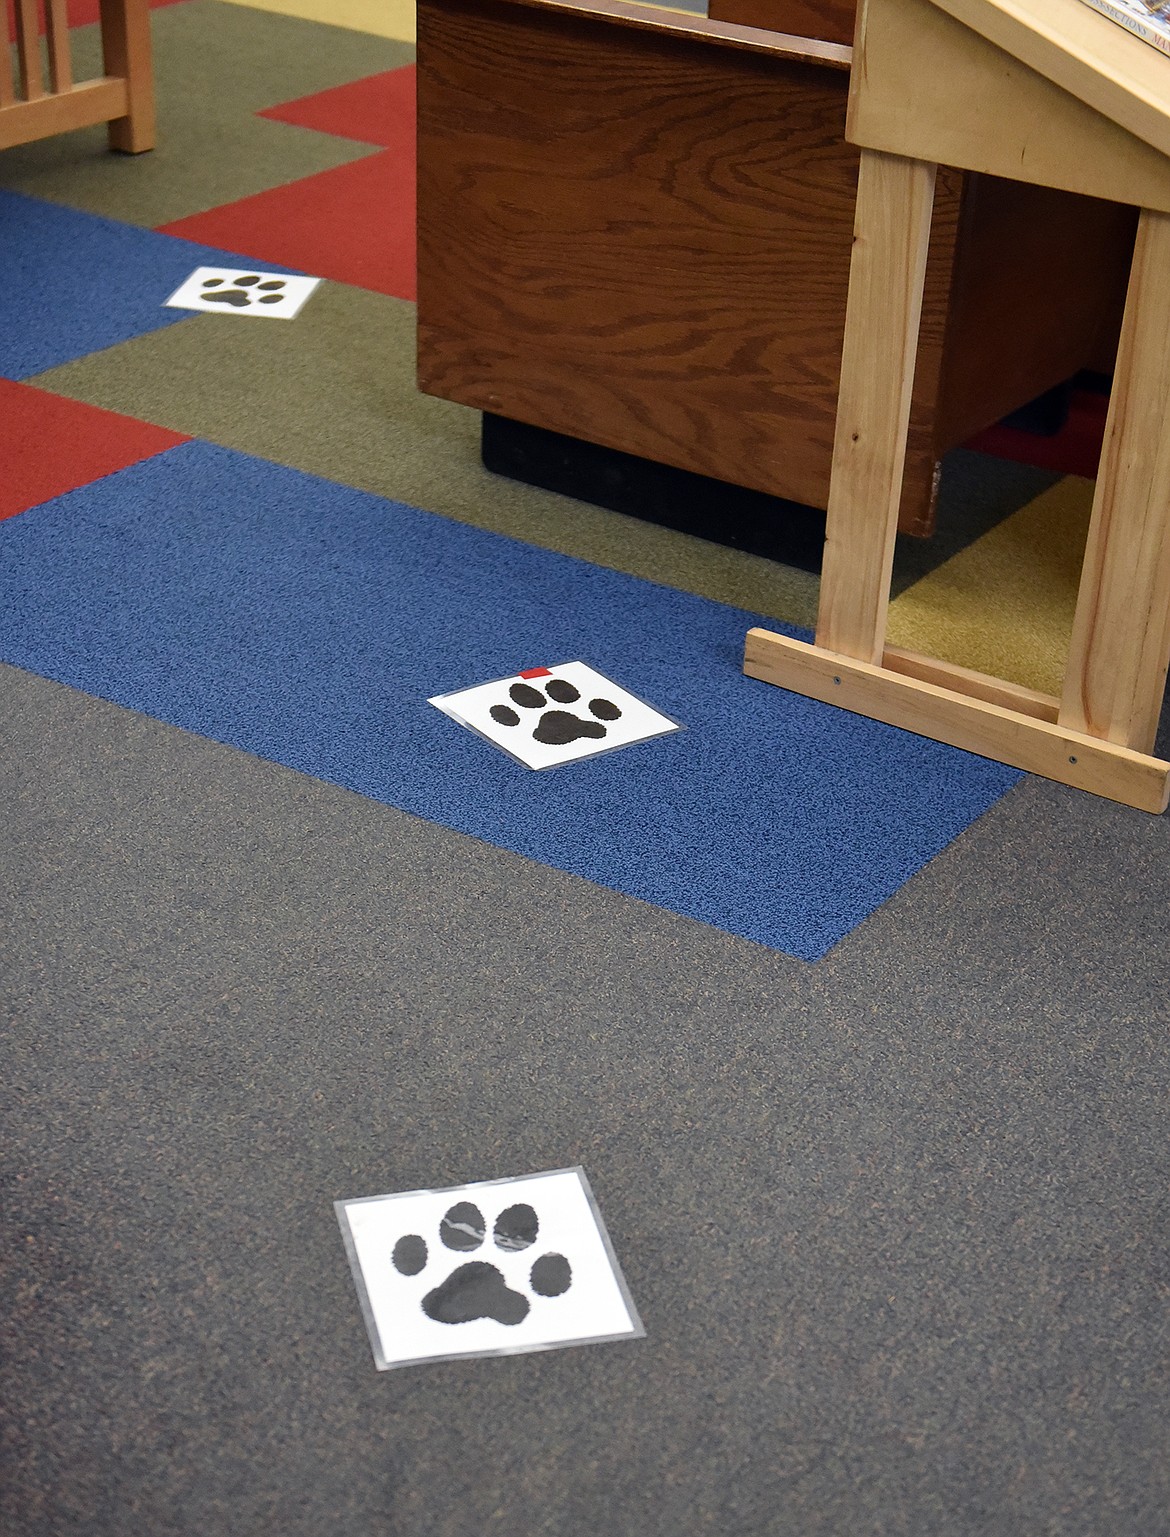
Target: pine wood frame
123,97
1044,91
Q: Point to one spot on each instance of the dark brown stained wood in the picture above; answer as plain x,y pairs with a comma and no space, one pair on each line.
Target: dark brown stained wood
1039,289
729,33
639,238
832,20
923,449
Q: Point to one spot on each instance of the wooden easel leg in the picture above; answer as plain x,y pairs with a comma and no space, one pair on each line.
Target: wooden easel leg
1120,646
126,50
895,198
1118,662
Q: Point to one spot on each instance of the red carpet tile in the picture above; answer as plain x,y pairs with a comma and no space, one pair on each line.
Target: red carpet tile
50,445
377,110
1074,450
82,13
354,224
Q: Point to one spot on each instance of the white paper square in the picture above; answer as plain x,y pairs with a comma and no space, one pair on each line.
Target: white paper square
508,711
243,291
530,1257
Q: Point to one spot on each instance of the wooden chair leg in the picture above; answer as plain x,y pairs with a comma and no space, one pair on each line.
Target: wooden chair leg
895,199
1116,673
126,49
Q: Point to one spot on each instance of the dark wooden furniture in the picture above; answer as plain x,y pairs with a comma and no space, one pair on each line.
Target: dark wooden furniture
635,229
833,20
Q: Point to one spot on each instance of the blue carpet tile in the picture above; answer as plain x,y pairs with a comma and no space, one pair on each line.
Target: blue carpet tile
308,623
75,283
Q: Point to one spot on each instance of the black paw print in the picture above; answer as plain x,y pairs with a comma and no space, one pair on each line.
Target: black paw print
556,728
270,291
477,1289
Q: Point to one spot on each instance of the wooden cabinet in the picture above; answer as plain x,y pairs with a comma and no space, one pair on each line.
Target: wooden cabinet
635,229
833,20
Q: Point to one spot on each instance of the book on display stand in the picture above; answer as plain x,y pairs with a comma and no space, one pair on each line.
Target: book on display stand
1149,22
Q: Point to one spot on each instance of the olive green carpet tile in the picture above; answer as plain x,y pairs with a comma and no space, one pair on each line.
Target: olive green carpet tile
334,393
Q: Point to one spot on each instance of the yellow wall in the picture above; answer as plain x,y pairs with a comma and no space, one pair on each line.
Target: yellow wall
384,18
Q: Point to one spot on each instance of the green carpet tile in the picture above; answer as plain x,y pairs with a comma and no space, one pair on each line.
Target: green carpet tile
334,394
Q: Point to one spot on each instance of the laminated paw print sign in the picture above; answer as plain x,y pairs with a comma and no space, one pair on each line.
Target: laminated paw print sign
495,1268
234,291
550,715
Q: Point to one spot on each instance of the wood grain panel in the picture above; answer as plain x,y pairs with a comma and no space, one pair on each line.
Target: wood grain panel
1120,79
831,19
936,90
639,240
1120,645
1039,288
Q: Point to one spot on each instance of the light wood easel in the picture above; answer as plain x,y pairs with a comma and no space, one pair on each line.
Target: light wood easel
1043,91
123,96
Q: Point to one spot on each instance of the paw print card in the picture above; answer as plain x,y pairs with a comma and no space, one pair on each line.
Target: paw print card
495,1268
551,715
234,291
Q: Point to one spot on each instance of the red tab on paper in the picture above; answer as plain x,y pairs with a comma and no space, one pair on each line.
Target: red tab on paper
535,672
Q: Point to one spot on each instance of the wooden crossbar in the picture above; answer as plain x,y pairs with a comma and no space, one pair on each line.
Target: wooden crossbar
1011,735
981,110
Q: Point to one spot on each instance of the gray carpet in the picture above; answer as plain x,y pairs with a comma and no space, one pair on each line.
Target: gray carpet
896,1223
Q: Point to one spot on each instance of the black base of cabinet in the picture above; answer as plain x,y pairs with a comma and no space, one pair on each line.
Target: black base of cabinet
658,493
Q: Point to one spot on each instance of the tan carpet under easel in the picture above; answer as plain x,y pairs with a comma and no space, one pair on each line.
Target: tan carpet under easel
1004,605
